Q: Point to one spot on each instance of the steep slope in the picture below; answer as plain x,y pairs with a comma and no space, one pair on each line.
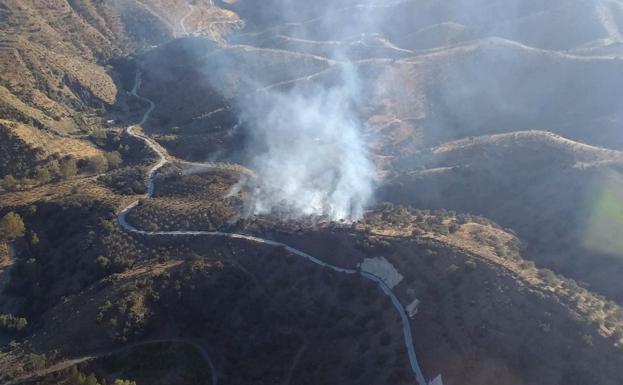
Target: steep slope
560,196
198,86
555,25
239,309
482,315
433,75
24,147
56,56
492,85
480,87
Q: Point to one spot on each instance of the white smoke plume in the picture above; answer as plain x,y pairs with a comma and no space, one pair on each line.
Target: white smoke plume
308,152
305,140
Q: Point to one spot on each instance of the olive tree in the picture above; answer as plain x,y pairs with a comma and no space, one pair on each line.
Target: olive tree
12,226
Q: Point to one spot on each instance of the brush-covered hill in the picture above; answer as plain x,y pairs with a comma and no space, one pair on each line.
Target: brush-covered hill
459,72
555,25
59,67
198,87
562,197
484,315
483,86
453,100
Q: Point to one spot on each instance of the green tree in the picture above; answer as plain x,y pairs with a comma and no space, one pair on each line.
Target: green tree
34,239
98,164
9,183
20,324
124,382
103,262
68,169
12,226
43,175
32,210
12,323
114,159
91,380
54,169
38,361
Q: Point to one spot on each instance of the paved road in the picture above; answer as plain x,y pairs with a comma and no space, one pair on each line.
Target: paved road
163,156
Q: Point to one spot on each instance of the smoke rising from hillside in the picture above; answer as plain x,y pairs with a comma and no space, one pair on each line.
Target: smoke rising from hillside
306,146
309,153
306,142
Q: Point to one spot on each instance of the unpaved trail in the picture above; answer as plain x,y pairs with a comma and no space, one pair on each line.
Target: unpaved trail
163,159
122,219
191,10
295,363
80,360
609,23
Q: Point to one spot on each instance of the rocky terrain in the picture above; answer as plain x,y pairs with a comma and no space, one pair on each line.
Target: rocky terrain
128,136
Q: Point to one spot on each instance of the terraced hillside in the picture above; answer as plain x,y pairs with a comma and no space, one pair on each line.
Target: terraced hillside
58,57
492,129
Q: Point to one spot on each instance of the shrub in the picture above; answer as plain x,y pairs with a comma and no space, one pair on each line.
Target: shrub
124,382
97,164
38,361
68,169
103,262
548,276
471,265
12,226
11,323
34,239
31,210
9,183
114,159
43,175
453,228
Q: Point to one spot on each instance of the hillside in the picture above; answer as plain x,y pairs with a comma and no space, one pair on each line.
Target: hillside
163,301
59,68
330,192
528,181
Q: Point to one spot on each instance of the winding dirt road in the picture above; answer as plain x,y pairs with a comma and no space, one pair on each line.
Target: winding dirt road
80,360
122,219
163,159
191,9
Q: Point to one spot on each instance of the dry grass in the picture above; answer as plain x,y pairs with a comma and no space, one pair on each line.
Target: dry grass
86,186
533,140
501,248
49,144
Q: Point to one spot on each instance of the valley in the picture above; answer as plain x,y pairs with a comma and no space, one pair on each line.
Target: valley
228,192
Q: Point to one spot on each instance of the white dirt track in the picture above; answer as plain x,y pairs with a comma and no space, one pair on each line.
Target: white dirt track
163,159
